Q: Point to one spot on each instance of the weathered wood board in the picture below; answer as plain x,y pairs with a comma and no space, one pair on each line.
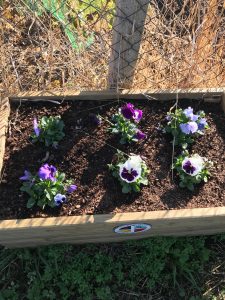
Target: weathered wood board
4,113
213,94
100,228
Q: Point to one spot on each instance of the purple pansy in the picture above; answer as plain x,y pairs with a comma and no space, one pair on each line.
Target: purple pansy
128,111
47,172
190,127
137,115
36,129
140,135
71,188
190,115
202,124
129,175
27,176
59,199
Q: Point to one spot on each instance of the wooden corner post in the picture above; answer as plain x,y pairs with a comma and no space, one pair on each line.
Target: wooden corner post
127,29
4,113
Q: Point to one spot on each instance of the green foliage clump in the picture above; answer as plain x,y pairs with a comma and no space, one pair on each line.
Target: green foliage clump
125,128
187,180
50,131
101,271
133,163
43,192
185,117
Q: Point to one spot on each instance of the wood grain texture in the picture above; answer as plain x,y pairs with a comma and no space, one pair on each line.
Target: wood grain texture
99,228
213,94
4,114
127,33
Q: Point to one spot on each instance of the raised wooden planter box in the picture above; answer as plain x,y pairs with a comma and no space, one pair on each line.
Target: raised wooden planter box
101,228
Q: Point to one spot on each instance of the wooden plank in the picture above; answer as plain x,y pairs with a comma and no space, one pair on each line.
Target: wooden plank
4,114
127,33
99,228
223,101
212,94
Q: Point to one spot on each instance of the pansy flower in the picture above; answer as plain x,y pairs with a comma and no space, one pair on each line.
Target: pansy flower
128,111
130,171
47,172
188,128
190,115
59,199
193,165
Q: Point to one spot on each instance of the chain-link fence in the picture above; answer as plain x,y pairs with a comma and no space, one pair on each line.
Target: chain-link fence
101,44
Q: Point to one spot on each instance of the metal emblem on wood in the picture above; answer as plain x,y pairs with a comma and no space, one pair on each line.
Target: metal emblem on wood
132,228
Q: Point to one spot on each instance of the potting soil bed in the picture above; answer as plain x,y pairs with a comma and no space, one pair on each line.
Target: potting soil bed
86,150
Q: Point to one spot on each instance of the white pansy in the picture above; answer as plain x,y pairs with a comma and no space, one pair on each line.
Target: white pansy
193,165
130,171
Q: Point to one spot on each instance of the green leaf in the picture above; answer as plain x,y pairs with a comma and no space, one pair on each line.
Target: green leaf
30,202
48,196
136,188
61,177
126,189
181,184
190,186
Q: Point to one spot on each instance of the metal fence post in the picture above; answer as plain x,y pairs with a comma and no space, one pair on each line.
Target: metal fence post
127,34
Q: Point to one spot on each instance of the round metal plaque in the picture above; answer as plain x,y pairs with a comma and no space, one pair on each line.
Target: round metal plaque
132,228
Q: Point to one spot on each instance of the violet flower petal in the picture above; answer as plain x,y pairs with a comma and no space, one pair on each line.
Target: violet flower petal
36,128
71,188
47,172
137,115
140,135
202,124
27,176
128,111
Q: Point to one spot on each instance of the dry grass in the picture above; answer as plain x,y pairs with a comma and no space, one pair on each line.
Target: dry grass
183,46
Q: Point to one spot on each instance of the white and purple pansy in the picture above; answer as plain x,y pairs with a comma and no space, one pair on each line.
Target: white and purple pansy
131,170
193,165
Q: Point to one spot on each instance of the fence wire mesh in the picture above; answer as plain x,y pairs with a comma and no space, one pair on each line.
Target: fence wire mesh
157,44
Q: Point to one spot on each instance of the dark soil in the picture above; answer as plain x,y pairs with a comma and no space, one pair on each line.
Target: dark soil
86,150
